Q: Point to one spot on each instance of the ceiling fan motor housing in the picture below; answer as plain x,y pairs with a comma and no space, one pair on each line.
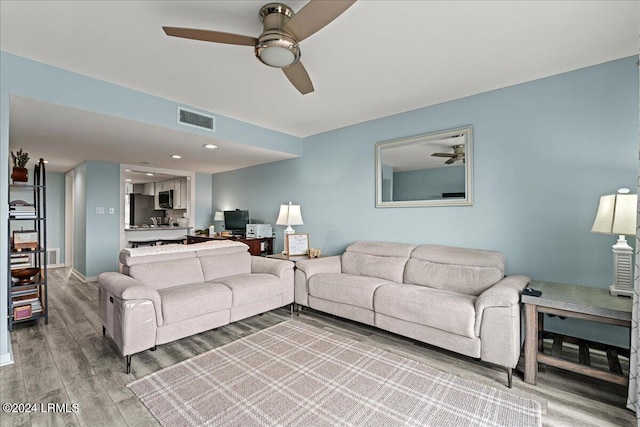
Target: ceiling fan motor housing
275,47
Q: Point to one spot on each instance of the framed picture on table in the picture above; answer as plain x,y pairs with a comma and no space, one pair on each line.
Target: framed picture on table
297,244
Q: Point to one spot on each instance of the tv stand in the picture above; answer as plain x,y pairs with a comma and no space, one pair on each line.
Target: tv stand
258,247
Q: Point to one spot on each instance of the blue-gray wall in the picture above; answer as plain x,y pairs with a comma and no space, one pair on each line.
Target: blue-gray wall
55,212
102,230
203,211
544,152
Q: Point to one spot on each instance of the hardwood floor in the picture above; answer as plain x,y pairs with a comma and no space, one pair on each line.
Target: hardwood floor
68,361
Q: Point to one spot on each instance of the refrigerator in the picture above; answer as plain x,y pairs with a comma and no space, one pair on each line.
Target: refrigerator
141,209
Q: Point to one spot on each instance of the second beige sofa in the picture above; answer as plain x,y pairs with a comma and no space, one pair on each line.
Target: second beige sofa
455,298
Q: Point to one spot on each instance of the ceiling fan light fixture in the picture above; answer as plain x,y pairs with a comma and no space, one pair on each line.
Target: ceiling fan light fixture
277,49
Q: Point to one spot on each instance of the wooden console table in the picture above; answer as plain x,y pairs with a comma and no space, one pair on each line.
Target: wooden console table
257,246
579,302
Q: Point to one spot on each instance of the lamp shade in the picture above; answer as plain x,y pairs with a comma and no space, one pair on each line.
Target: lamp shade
218,216
289,215
616,215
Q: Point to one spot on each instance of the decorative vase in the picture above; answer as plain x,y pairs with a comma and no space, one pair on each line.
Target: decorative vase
20,174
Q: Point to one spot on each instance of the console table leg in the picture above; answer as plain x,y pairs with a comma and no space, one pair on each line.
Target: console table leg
530,344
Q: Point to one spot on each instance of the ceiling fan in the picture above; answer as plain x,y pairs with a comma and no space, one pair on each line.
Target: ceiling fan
458,154
279,44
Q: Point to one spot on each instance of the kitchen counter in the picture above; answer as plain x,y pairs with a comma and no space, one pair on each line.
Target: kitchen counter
150,234
158,228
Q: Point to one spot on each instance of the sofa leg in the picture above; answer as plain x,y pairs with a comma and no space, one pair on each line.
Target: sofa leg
104,331
292,308
154,348
128,364
509,377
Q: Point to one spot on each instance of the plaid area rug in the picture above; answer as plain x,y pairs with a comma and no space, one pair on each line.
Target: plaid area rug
293,374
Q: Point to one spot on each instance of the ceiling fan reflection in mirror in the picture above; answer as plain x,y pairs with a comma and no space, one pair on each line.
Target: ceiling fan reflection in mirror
279,44
458,154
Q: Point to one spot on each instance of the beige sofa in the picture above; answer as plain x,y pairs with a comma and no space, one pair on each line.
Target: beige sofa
453,298
169,292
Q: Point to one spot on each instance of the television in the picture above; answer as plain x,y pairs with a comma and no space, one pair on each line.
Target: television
236,221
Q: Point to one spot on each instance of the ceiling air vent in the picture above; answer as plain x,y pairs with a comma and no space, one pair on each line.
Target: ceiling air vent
198,120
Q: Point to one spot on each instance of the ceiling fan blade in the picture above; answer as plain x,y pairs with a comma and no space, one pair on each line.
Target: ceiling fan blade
299,77
450,161
210,36
443,155
314,16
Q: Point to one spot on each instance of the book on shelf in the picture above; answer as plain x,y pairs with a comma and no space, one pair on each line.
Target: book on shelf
21,260
23,215
28,291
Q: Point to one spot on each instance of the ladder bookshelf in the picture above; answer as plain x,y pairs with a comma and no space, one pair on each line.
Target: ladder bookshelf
26,257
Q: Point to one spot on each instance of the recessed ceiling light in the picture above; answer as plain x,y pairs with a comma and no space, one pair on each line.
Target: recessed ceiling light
128,180
149,174
176,156
45,161
212,146
127,170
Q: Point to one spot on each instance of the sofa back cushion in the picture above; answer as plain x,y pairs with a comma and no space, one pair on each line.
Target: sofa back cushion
383,260
465,271
215,266
167,273
173,265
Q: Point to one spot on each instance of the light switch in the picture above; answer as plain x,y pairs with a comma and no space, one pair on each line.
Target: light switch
99,210
112,211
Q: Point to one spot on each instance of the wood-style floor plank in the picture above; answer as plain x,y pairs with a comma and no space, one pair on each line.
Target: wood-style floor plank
69,361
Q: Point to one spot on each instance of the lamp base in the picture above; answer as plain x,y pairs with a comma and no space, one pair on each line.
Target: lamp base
622,269
617,292
287,231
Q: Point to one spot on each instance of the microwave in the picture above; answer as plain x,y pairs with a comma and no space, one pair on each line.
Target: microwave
165,199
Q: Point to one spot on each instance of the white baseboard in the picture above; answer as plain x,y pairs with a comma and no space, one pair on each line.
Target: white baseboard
7,358
82,276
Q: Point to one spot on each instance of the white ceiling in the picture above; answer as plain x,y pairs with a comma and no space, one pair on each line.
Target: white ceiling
379,58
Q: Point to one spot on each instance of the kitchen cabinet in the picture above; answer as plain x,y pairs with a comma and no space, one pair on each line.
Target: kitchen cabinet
180,193
149,189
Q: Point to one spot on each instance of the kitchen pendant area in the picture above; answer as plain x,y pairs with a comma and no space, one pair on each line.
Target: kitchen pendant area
156,206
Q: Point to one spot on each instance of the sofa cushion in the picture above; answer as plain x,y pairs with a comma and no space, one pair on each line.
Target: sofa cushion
168,273
249,288
384,260
225,265
346,288
195,299
447,311
466,271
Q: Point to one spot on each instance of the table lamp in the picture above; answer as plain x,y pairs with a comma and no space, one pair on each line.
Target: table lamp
289,215
617,215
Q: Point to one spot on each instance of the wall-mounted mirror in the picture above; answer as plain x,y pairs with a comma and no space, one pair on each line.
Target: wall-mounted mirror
435,169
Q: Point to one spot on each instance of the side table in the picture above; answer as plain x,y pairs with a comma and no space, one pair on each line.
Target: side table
294,259
581,302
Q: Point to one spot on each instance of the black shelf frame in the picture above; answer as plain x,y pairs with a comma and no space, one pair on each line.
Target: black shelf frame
37,190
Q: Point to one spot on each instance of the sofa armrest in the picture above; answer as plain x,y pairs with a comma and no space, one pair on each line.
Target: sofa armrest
277,267
127,288
310,267
505,293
